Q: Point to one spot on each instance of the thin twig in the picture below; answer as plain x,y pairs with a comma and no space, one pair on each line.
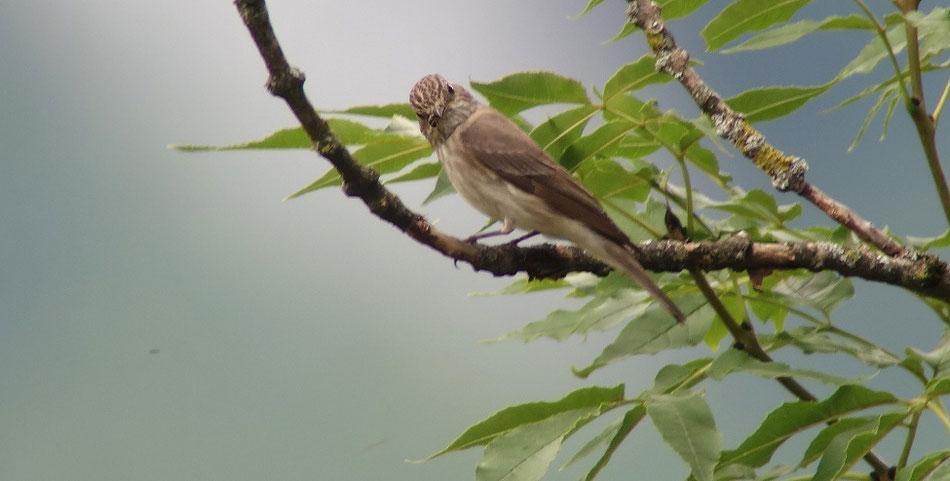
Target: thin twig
925,275
689,193
787,171
890,50
909,441
940,103
917,108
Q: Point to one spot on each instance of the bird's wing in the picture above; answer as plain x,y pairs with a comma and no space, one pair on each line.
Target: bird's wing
502,147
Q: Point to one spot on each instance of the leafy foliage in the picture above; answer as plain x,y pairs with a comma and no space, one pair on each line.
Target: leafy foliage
611,144
793,418
748,16
521,91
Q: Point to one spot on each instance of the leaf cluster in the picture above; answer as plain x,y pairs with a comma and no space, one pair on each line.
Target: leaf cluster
611,137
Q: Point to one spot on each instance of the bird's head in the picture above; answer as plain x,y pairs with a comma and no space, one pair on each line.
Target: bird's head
440,105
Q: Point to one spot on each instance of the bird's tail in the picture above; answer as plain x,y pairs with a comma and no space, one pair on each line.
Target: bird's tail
622,258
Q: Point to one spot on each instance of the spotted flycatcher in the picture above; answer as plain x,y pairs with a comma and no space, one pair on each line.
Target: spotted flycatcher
501,172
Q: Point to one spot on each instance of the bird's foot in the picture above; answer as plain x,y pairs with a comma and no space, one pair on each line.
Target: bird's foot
506,229
515,242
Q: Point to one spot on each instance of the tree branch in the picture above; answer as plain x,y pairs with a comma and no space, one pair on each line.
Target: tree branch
922,274
787,171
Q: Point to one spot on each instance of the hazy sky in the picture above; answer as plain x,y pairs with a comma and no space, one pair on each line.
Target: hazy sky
164,316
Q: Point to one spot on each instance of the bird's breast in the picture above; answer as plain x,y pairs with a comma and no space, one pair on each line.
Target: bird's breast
480,187
489,193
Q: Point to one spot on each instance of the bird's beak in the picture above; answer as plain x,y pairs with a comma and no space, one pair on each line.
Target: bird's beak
436,115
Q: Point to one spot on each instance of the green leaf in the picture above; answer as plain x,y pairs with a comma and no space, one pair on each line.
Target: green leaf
734,360
615,297
735,306
738,472
600,314
630,421
848,447
828,434
912,363
522,123
938,358
870,116
385,111
291,138
402,127
520,91
692,137
629,108
419,172
748,16
670,130
823,291
625,31
636,146
768,103
601,141
794,417
938,387
887,117
443,187
672,376
890,83
656,330
514,416
933,30
706,161
686,423
759,205
924,467
347,132
526,452
525,286
769,309
639,223
384,156
590,6
682,137
605,178
873,53
634,76
812,339
942,473
927,243
794,31
704,124
671,9
595,442
557,133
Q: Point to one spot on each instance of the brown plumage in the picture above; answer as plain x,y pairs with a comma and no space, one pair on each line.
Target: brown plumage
504,174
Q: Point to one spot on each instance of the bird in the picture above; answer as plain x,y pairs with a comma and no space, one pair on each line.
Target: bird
498,169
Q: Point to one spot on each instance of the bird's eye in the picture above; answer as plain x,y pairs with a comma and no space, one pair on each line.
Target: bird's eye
450,88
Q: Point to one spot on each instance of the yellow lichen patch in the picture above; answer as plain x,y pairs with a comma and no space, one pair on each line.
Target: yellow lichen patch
742,136
771,160
656,41
851,256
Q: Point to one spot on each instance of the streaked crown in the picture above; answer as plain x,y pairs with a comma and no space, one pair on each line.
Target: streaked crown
441,106
429,97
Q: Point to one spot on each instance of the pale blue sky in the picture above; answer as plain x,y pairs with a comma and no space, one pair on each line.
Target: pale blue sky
306,339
